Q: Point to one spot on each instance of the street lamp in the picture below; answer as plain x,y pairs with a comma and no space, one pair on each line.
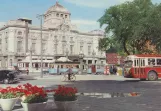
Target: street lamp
81,56
30,64
41,18
29,53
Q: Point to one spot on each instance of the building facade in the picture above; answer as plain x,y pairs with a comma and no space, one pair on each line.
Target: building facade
21,41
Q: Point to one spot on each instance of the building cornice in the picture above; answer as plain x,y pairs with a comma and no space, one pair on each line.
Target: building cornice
48,29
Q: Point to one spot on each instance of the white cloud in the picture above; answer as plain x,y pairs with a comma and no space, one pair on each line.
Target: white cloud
86,25
96,3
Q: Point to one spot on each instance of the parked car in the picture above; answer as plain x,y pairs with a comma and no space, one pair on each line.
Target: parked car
8,76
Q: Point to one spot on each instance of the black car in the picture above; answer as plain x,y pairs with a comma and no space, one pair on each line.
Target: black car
8,76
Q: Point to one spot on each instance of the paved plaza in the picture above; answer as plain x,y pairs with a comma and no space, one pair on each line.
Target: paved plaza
93,89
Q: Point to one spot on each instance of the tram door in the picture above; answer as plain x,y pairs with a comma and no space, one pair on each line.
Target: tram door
139,70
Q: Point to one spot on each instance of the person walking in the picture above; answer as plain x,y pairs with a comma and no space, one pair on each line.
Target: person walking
69,73
114,70
111,70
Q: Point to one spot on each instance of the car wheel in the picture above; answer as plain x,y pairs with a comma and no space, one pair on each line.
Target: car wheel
6,81
152,76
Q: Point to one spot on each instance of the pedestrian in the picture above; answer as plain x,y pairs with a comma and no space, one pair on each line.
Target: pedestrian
111,70
27,71
69,73
114,70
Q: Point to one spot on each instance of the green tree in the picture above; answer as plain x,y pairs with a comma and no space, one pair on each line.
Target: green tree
133,24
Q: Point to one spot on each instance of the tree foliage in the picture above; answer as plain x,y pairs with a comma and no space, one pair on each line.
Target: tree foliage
133,25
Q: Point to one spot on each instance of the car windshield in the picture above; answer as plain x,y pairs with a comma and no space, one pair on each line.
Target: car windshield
128,63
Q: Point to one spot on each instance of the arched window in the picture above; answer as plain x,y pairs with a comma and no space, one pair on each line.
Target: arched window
57,15
61,15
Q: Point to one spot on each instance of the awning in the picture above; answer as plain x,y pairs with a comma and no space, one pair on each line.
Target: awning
63,59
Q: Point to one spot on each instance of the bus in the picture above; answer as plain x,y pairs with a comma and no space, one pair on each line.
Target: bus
144,67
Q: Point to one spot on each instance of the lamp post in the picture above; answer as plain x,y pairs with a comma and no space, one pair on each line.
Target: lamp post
41,18
81,56
30,64
29,53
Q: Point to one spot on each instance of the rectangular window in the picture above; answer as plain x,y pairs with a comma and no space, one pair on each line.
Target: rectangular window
33,47
81,48
89,50
71,49
71,38
143,62
19,46
158,61
63,48
43,47
55,37
137,62
63,38
134,62
6,39
55,47
151,61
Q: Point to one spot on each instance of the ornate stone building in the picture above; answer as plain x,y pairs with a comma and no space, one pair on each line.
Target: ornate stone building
60,38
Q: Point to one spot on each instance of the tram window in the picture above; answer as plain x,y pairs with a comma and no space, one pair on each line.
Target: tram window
151,61
143,62
137,62
158,61
134,62
61,66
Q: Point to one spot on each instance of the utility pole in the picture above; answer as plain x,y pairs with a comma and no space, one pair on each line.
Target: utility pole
41,18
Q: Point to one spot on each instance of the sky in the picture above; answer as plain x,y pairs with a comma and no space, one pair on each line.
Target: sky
84,13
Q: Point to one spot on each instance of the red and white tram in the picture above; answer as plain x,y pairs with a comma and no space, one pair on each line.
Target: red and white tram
143,67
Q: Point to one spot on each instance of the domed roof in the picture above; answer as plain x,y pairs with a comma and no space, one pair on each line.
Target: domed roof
57,8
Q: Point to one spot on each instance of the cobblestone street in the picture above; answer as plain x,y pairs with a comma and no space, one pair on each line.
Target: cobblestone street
96,86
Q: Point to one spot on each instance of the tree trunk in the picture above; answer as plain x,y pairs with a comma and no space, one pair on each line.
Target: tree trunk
125,49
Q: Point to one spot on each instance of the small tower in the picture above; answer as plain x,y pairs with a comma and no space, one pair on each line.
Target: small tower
56,15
